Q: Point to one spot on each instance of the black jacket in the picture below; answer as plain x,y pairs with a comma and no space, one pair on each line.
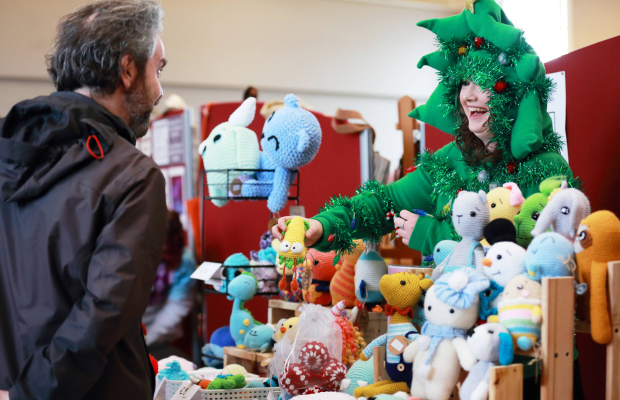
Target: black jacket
80,240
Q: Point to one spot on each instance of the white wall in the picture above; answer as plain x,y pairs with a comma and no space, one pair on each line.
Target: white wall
355,54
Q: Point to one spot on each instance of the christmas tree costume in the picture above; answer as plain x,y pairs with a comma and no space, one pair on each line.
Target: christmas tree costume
482,46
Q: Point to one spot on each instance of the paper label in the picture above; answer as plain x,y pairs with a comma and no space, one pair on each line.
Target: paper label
298,211
206,271
266,362
398,344
270,396
235,186
186,391
160,389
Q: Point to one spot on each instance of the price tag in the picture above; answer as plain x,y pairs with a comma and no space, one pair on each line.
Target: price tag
186,391
266,362
306,279
397,345
363,319
235,186
298,211
205,271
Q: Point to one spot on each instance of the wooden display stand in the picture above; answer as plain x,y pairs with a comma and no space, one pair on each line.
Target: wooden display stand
558,325
279,309
250,360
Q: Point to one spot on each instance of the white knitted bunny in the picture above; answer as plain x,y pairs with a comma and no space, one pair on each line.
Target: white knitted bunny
470,214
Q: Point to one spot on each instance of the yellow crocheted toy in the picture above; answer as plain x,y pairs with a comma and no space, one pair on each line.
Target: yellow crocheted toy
402,291
504,202
293,249
597,242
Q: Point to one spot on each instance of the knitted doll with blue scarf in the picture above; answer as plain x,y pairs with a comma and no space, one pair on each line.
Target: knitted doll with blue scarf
470,214
549,254
401,291
291,138
492,345
230,145
504,260
451,309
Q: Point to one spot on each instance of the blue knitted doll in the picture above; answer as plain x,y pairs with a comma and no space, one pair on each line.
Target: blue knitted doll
549,254
291,138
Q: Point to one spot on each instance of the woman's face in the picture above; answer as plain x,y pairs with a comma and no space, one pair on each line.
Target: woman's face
474,103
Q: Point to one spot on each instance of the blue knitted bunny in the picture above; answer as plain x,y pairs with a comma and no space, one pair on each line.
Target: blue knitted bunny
291,138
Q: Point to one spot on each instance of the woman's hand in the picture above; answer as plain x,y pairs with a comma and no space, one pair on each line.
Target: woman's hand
405,225
313,235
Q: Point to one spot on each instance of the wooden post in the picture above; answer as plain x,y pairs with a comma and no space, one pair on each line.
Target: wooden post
378,361
506,382
558,307
407,125
612,391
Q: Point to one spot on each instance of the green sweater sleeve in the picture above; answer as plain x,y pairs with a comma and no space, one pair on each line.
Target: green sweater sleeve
414,191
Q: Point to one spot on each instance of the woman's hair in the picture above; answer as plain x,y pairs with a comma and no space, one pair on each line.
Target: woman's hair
473,149
175,241
91,42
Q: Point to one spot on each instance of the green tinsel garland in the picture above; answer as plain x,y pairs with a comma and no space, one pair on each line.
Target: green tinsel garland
364,217
447,182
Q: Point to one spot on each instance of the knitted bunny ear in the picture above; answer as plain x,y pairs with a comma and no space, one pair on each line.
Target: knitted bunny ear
516,197
244,115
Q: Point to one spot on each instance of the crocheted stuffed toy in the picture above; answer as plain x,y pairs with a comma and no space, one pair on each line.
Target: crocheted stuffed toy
442,250
220,338
241,289
565,209
230,145
259,338
343,283
504,260
451,308
401,291
292,251
173,372
323,270
369,270
491,344
352,340
597,242
283,326
549,254
234,260
526,219
360,374
291,138
227,382
504,202
520,311
470,214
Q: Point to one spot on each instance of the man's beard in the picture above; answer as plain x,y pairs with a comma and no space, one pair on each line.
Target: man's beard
139,106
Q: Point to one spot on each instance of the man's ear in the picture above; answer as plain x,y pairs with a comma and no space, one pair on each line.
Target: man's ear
129,72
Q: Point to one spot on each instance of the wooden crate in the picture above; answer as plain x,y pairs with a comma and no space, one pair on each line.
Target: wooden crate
250,360
279,309
377,326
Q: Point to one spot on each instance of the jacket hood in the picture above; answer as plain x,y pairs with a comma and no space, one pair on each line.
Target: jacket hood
44,139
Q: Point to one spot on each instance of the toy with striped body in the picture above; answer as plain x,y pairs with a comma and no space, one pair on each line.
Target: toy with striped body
293,249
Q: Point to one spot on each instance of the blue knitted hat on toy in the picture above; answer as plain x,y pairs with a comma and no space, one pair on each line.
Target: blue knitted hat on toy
461,287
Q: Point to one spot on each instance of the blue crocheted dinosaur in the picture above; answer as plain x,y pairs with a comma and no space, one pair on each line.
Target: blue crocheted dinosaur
291,138
241,289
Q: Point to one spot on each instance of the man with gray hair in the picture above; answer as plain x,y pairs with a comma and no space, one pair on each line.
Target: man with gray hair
83,212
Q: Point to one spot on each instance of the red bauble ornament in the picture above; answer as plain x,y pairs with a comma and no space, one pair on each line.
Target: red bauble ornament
313,390
331,238
459,191
313,355
294,379
333,373
411,169
500,86
512,167
478,42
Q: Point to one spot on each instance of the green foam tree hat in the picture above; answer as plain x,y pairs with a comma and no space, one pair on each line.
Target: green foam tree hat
481,45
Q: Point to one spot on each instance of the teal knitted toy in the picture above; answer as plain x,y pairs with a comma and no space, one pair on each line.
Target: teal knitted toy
241,289
255,384
259,338
361,373
369,269
235,260
291,138
549,254
230,145
173,372
443,250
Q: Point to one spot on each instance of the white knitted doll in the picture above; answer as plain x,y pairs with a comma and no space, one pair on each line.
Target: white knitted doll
451,308
491,344
368,272
563,213
470,214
